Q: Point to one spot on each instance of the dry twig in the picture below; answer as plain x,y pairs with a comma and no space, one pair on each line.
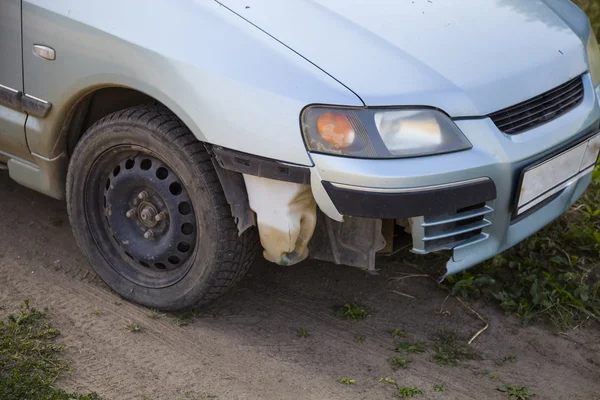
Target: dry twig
479,332
403,294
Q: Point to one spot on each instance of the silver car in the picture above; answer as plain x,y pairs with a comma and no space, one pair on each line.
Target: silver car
186,135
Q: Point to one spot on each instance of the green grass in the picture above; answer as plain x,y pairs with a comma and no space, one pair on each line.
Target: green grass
592,9
347,381
303,333
156,314
351,312
517,392
504,360
451,350
397,363
134,327
30,362
554,274
187,317
406,392
399,333
410,347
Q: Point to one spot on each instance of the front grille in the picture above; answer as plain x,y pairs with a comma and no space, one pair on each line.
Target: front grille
541,109
451,230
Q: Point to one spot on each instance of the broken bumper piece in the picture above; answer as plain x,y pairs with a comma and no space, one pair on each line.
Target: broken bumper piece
465,202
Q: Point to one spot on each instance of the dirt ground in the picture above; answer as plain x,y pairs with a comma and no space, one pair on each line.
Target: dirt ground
245,345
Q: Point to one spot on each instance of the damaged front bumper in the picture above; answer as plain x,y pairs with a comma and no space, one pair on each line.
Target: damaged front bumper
464,201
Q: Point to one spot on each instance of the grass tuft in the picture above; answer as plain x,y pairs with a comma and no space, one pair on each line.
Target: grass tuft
450,350
399,333
156,314
134,327
303,333
397,363
406,392
517,392
347,381
187,317
351,312
29,359
411,347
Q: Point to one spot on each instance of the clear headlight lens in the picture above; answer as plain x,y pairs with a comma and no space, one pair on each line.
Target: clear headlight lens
380,133
593,52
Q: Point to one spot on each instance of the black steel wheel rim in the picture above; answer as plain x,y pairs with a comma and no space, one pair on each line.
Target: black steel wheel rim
141,217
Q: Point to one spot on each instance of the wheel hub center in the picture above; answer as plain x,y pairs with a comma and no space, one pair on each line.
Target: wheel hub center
147,212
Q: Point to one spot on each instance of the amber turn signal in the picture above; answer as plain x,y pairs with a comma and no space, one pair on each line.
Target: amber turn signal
336,129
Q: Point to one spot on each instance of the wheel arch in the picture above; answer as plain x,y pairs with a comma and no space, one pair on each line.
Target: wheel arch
52,139
92,104
97,103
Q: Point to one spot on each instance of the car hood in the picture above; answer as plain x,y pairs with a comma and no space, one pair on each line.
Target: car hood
468,58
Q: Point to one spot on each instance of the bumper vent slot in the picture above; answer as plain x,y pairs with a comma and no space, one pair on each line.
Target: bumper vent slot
448,231
541,109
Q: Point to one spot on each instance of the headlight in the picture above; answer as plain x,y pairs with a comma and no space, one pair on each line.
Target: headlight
380,132
594,58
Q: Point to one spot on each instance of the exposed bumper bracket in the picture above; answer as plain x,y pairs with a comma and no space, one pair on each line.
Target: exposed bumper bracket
262,167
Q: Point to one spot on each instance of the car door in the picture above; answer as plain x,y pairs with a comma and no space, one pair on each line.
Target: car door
12,119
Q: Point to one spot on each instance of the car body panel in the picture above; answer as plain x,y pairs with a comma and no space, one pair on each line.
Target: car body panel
466,58
12,131
206,65
11,72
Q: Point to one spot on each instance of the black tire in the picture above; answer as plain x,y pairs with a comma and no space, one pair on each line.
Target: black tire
216,256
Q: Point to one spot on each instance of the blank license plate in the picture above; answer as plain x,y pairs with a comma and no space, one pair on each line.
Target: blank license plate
543,180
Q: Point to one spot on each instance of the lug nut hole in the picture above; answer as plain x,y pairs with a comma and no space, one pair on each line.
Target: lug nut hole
146,164
175,188
183,247
187,228
184,208
162,173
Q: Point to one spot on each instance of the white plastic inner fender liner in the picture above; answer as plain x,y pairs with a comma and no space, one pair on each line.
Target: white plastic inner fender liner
286,213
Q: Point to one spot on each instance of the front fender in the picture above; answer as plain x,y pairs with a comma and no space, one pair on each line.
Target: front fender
232,84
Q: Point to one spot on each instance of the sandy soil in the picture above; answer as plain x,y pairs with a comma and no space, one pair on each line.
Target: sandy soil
245,345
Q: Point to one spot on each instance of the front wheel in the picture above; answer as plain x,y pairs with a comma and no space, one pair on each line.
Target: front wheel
148,211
